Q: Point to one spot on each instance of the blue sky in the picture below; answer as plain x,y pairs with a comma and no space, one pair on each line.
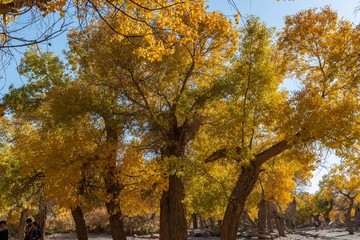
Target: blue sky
273,11
270,11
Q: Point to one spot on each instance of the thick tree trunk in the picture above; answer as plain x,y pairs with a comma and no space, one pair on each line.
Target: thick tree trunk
243,188
262,217
172,211
113,186
41,217
173,224
236,204
23,215
81,230
116,220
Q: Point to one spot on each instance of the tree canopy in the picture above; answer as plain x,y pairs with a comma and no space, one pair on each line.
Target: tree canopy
162,107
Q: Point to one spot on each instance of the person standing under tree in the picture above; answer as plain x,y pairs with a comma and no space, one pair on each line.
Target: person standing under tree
36,231
4,234
28,229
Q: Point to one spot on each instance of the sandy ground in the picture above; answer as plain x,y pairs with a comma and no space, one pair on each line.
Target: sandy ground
300,234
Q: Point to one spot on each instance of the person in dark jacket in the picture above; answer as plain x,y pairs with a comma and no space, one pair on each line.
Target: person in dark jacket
36,232
28,229
4,233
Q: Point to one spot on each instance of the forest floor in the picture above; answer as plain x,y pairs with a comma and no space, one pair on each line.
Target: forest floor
299,234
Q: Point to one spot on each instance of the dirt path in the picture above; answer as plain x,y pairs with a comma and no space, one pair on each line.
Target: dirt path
300,234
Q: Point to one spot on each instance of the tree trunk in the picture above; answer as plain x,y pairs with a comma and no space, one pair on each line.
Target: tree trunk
172,211
243,188
279,221
81,231
262,217
246,218
23,215
236,203
116,220
280,225
173,224
349,222
291,215
194,220
41,217
357,216
113,186
269,218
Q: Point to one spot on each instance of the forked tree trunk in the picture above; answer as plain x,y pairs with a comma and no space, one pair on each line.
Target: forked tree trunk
245,218
173,224
81,230
172,213
113,186
236,204
280,225
279,221
243,188
262,215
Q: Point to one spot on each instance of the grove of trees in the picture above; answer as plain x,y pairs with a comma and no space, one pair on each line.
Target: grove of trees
164,109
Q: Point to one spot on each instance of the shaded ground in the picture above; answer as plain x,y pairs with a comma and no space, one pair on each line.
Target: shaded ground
300,234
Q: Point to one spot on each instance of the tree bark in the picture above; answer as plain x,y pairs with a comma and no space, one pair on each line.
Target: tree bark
262,217
113,186
41,217
81,230
23,215
357,216
291,215
269,218
349,222
243,188
172,211
278,219
236,203
116,220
